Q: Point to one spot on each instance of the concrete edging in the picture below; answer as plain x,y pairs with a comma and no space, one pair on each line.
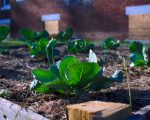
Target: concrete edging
142,114
12,111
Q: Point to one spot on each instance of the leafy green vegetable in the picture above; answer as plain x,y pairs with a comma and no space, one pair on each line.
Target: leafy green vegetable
4,31
110,43
39,43
27,35
79,45
65,36
102,82
138,54
72,76
44,48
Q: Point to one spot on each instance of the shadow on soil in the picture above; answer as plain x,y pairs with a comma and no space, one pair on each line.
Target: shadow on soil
10,74
140,98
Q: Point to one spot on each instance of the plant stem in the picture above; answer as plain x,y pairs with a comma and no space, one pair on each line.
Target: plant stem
52,53
128,81
104,55
47,56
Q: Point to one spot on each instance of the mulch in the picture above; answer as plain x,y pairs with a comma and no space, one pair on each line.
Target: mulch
15,76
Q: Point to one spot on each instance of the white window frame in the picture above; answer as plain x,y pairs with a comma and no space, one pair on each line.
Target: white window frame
5,21
141,9
50,17
20,0
5,6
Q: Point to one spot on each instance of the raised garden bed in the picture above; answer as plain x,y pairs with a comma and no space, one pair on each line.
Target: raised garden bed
15,77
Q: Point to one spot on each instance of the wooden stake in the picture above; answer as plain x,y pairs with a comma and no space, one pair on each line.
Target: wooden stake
94,110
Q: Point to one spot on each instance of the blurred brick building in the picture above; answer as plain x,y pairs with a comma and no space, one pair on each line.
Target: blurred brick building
96,19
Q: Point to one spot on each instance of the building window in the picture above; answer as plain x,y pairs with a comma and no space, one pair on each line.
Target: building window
5,5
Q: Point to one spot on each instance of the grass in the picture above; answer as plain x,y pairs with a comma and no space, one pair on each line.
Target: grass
12,43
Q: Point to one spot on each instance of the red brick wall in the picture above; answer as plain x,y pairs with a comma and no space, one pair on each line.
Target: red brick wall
95,20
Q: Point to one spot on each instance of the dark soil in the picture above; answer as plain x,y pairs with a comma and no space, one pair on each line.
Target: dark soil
15,76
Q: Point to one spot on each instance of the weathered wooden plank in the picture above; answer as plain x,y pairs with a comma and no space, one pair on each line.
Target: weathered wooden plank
139,27
11,111
139,21
94,110
52,27
138,32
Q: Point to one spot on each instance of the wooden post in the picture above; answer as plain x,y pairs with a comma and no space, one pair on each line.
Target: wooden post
95,110
51,23
52,27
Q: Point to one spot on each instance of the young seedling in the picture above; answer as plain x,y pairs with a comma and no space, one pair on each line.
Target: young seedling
128,80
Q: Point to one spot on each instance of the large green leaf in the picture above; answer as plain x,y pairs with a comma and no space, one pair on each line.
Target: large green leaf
44,75
27,34
136,47
53,86
102,82
4,31
55,69
65,62
138,55
81,74
137,60
47,81
41,45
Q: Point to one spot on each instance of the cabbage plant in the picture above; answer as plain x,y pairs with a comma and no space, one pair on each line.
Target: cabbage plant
65,36
71,76
27,35
110,43
44,48
138,55
79,45
39,43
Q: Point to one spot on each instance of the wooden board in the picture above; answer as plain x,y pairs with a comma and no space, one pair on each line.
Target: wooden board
11,111
52,27
94,110
142,32
139,21
139,27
